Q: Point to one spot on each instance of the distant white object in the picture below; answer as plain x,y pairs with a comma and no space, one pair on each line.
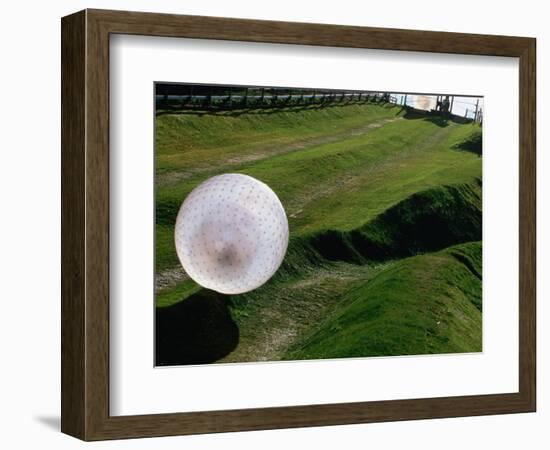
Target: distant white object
231,233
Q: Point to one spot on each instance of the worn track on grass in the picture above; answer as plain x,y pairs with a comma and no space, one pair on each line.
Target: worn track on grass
267,151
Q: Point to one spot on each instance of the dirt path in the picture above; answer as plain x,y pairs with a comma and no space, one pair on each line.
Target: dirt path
271,322
169,278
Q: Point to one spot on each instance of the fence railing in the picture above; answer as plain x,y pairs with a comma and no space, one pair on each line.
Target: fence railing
220,98
267,99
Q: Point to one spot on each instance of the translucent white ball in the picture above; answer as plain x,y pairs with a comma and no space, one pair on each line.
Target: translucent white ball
231,233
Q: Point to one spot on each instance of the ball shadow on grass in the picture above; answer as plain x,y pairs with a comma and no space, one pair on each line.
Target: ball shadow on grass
197,330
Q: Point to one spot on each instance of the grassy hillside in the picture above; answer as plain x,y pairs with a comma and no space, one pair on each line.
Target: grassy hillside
363,186
310,287
193,141
425,221
373,166
313,284
423,304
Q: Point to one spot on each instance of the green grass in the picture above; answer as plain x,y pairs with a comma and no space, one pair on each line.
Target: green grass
194,140
180,291
373,170
272,316
314,284
472,142
309,287
362,187
420,305
425,221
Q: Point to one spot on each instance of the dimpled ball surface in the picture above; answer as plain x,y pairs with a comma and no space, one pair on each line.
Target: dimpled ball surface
231,233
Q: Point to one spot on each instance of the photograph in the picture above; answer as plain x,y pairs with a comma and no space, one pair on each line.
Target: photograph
309,224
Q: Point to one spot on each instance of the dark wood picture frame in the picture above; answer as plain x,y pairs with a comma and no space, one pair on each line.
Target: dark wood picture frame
85,224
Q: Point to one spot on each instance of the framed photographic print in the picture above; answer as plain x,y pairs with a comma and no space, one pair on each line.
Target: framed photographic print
271,224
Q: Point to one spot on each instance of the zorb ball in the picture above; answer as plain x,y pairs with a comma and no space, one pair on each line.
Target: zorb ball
231,233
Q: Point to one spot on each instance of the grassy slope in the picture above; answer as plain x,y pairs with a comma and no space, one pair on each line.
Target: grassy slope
190,148
309,287
272,317
423,304
374,170
425,221
378,170
200,140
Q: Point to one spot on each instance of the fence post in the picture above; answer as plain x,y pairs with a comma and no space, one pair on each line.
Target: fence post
189,98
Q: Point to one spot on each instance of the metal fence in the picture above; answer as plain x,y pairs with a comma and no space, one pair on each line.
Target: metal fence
220,98
193,97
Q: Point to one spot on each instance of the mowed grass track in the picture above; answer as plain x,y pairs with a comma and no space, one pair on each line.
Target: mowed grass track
335,169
